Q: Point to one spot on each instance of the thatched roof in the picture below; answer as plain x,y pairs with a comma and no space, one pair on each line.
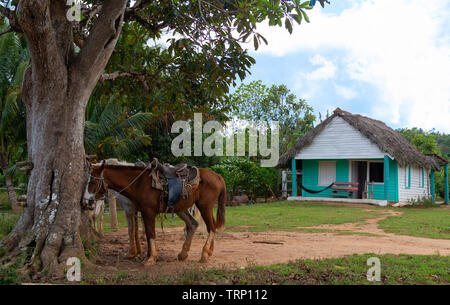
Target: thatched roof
387,139
441,161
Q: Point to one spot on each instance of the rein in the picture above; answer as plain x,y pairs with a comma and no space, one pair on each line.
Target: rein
134,180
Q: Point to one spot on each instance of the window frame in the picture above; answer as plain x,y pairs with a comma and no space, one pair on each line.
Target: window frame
408,177
319,182
368,171
422,181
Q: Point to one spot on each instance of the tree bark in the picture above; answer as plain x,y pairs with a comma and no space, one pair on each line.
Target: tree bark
55,90
112,211
12,196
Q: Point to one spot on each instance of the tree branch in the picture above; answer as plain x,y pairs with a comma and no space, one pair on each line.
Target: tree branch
99,45
143,78
115,75
147,22
81,28
36,23
11,15
5,32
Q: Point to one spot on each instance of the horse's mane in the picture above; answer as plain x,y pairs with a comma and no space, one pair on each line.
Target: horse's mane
119,166
116,164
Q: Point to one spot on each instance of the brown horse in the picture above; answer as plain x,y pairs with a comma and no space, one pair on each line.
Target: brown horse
136,184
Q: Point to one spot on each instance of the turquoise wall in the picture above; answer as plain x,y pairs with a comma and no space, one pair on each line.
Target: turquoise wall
378,192
393,181
311,176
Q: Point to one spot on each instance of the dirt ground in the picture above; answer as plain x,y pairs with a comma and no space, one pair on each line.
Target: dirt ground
240,249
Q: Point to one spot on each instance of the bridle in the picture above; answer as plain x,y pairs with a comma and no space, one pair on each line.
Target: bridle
105,185
99,186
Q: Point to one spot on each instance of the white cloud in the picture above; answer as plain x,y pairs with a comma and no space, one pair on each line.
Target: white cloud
326,70
345,92
401,48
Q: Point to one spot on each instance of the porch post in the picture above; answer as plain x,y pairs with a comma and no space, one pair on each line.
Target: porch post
432,185
386,178
446,183
294,178
284,184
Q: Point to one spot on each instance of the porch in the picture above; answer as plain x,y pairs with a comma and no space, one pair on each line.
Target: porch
346,200
375,180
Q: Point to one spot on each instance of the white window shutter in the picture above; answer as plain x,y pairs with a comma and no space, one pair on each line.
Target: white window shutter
327,172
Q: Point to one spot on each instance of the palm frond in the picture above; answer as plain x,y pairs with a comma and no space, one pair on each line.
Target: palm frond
18,75
139,121
91,136
109,118
94,110
10,172
130,146
11,109
9,57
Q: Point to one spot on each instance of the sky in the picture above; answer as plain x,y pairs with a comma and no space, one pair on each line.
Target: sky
388,60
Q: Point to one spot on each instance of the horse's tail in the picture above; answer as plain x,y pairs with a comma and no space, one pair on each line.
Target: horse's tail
220,223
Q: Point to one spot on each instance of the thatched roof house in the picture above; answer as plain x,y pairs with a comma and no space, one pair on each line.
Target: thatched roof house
368,159
387,139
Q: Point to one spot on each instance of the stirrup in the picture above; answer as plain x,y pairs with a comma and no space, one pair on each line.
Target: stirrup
169,209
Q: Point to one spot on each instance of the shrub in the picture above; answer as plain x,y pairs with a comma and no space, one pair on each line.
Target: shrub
425,201
4,201
244,176
7,223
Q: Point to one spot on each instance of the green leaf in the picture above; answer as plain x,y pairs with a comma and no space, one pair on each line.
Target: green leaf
305,16
255,42
288,25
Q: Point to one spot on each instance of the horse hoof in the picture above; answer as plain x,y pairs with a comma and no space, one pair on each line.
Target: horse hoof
182,256
203,260
131,255
150,261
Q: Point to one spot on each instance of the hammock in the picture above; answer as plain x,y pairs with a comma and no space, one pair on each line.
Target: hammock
315,192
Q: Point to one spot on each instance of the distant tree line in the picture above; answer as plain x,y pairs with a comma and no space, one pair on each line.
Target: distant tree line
430,142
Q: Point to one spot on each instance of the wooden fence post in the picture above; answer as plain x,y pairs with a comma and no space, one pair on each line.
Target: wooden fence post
112,211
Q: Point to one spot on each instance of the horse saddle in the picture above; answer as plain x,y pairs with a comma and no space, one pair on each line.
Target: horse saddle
174,181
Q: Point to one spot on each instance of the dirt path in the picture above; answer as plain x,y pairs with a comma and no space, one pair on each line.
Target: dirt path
239,249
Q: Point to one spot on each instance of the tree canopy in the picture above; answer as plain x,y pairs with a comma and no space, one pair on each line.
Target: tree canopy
257,102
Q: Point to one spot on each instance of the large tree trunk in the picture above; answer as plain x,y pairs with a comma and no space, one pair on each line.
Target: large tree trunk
55,90
51,222
12,196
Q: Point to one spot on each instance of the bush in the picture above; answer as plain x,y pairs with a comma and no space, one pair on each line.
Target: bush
7,223
244,176
5,205
425,201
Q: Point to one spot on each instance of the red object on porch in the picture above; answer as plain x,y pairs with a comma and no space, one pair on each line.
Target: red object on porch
344,191
353,186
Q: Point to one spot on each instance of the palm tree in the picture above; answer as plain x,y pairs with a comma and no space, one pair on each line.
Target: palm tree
110,131
14,58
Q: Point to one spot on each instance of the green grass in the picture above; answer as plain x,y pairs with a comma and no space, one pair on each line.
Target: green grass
351,270
421,222
11,275
290,215
295,215
7,222
281,216
5,205
122,221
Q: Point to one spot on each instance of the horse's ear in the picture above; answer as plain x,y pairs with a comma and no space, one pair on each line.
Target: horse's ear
154,163
102,166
